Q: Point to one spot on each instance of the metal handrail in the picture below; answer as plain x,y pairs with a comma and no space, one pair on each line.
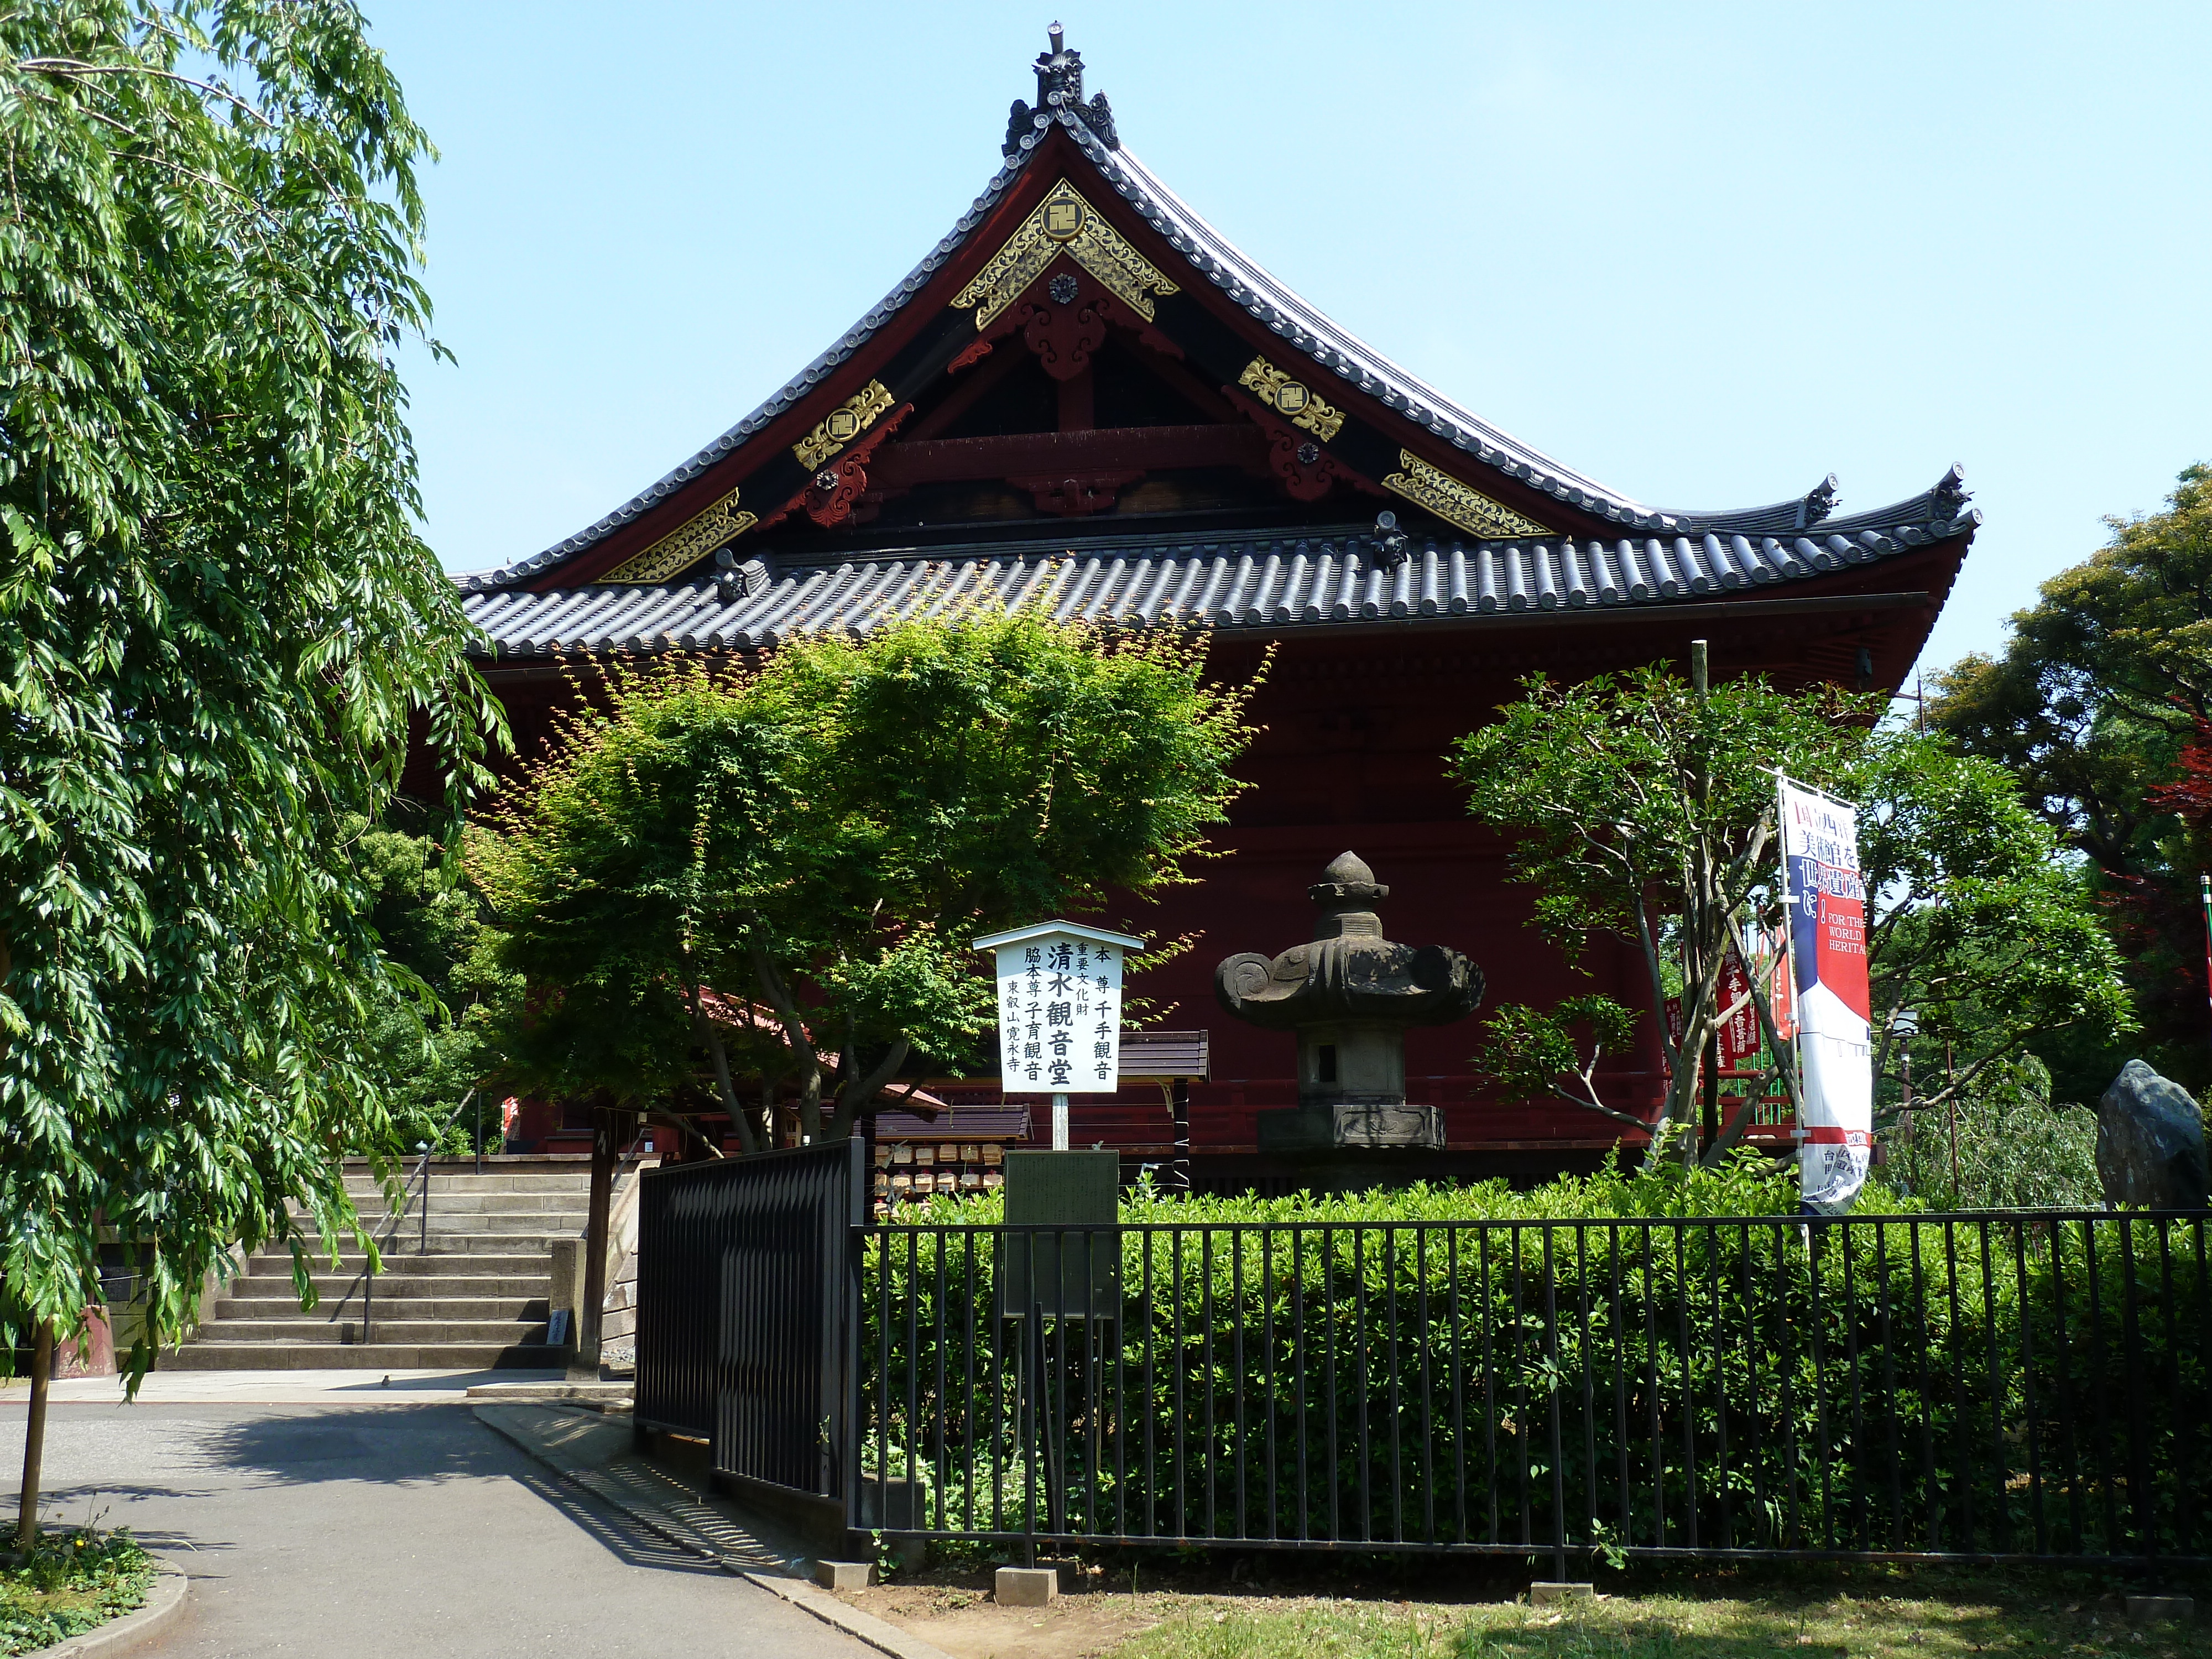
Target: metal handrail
421,1174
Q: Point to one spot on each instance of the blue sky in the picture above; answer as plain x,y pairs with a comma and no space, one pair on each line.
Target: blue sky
1706,254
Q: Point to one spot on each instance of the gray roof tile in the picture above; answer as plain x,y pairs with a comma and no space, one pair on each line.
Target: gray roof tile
1251,583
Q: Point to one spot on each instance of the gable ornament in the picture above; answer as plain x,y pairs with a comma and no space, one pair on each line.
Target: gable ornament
1457,503
843,424
686,545
1063,223
1291,397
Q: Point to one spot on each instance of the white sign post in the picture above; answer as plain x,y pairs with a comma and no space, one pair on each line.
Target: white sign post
1060,1013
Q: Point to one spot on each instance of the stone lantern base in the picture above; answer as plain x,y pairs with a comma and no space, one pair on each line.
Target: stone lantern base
1329,1127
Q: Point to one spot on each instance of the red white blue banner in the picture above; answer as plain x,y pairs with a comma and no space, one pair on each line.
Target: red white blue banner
1827,891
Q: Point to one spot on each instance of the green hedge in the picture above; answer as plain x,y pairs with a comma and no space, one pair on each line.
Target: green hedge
1899,1381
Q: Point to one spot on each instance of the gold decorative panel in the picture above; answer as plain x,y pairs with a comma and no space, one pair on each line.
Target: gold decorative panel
682,548
843,424
1450,500
1293,398
1063,223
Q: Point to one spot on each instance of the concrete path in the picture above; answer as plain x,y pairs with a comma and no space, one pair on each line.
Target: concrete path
374,1530
295,1388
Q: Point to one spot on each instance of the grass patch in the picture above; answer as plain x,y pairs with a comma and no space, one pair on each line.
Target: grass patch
1669,1627
71,1582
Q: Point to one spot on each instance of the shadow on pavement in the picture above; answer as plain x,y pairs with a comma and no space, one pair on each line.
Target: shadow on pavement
622,1537
391,1445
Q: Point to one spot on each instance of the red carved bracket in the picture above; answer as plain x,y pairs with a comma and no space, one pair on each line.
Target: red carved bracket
1063,337
974,353
1288,452
1074,498
829,497
1064,334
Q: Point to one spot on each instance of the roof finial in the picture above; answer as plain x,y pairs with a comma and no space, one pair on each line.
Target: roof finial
1060,88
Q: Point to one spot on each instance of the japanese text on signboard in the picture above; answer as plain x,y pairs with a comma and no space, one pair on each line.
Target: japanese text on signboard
1059,1015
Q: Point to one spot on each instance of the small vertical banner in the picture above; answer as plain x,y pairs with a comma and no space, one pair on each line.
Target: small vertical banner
1828,951
2204,892
1059,1008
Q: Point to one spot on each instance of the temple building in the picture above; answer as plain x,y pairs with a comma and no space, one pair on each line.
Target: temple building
1085,397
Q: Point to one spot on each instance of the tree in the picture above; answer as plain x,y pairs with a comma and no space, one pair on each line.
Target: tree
1645,806
216,622
437,1018
1983,939
2000,1142
2101,687
1647,812
615,864
962,776
830,831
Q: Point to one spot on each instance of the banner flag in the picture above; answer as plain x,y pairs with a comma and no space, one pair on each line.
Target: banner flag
2204,889
1827,891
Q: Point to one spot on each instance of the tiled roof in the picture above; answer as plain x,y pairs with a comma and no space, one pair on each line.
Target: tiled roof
1264,583
1242,279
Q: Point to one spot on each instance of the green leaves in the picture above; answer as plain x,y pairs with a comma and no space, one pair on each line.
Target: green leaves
1643,809
1979,925
1532,1053
2101,685
216,625
828,834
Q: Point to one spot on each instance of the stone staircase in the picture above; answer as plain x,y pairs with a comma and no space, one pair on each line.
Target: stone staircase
475,1298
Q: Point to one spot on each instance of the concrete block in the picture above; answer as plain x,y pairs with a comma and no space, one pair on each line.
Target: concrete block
2160,1609
842,1575
912,1554
1026,1587
1550,1594
1070,1574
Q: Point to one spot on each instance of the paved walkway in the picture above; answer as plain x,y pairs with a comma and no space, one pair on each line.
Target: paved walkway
330,1388
411,1529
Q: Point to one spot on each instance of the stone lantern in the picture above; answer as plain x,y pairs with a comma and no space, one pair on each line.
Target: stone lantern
1349,996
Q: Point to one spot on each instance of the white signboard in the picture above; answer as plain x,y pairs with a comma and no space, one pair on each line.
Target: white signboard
1827,952
1060,1011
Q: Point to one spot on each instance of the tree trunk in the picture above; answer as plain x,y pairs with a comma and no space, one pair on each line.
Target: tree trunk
721,1054
34,1434
595,1240
774,987
860,1091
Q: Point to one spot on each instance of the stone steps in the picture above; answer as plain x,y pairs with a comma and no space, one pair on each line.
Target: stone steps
199,1355
474,1296
235,1311
458,1184
470,1204
505,1262
395,1285
405,1243
312,1332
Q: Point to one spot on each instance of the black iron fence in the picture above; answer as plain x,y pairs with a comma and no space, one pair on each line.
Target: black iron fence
748,1290
2014,1386
1999,1387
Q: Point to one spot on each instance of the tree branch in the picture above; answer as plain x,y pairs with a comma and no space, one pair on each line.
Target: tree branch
721,1055
862,1091
778,993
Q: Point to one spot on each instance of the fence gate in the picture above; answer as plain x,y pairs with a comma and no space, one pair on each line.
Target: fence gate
746,1284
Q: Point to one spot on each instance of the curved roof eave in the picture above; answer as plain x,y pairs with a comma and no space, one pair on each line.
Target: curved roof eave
1270,302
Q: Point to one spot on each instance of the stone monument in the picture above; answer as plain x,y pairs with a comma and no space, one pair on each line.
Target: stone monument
1349,995
2150,1142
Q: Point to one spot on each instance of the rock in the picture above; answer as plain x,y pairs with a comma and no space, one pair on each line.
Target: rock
2150,1142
